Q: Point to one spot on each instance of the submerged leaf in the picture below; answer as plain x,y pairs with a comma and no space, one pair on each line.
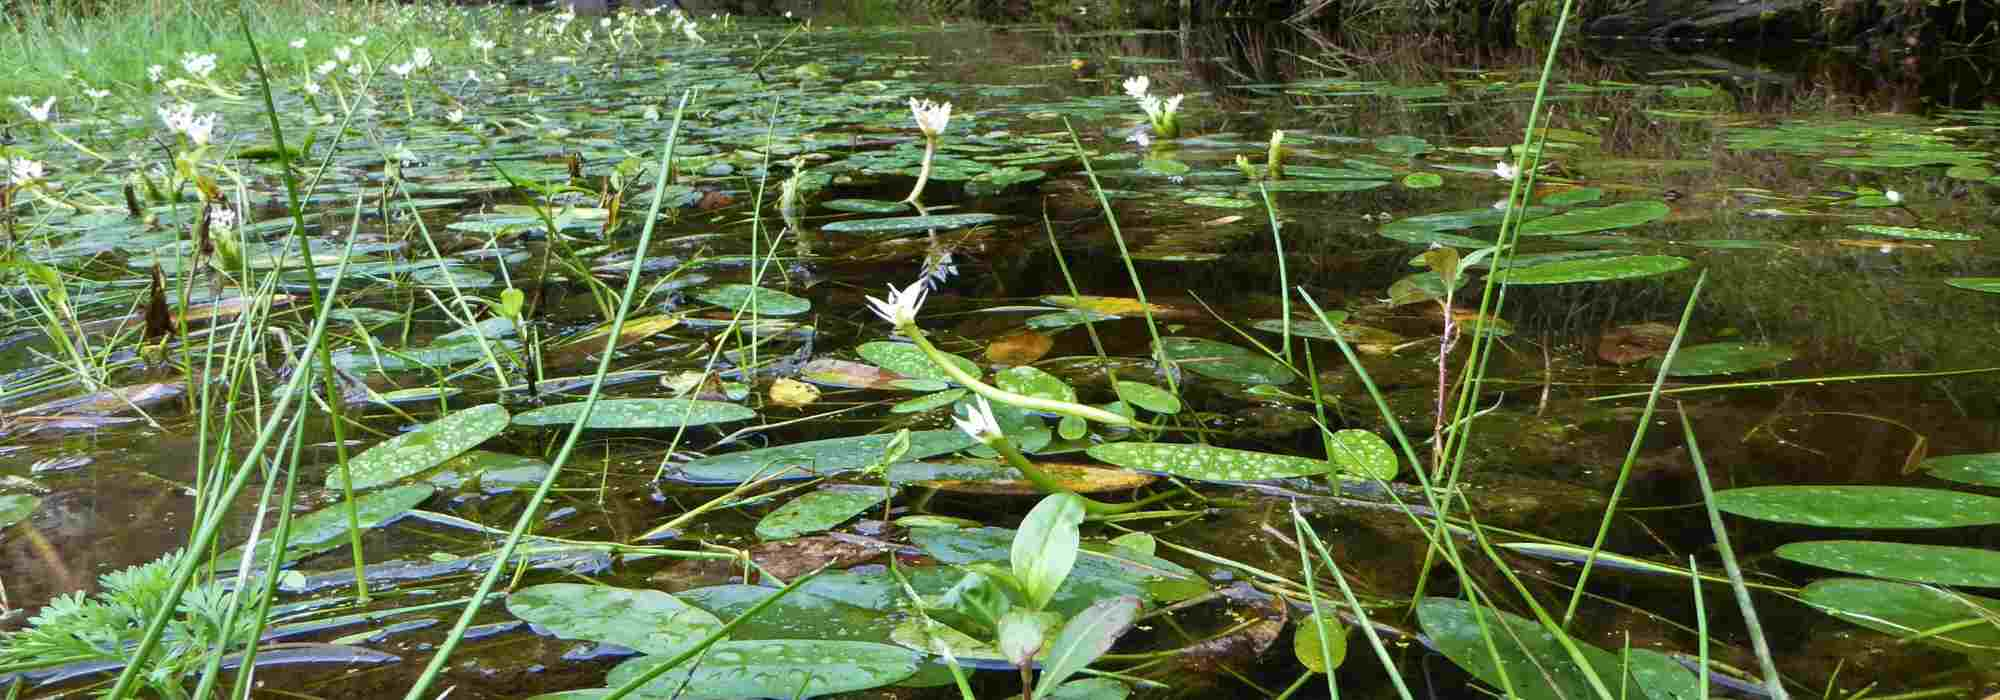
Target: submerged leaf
773,668
818,457
820,510
418,451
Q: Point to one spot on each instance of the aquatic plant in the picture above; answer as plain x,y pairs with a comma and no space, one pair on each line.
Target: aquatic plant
931,119
1162,115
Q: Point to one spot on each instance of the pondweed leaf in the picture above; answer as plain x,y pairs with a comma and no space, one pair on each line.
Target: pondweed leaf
1923,563
1537,666
910,361
1888,507
1363,454
1207,462
1989,285
1905,609
1981,469
16,507
418,451
1045,548
820,510
1148,397
818,457
1219,360
758,300
1085,638
1616,216
638,414
1922,234
1725,358
910,224
773,668
1595,269
326,528
798,615
651,622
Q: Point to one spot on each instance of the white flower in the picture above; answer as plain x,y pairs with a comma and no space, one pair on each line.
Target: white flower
654,10
1141,136
1151,105
39,113
1893,196
299,43
1174,104
1505,171
1136,86
402,70
175,84
199,65
343,54
788,14
201,128
357,41
177,117
652,113
24,170
222,219
979,421
484,44
902,306
355,70
588,36
1500,205
421,57
688,29
96,94
605,22
471,76
455,116
931,117
155,72
312,88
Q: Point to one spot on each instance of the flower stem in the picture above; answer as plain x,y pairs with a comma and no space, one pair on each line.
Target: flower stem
924,175
994,393
1042,480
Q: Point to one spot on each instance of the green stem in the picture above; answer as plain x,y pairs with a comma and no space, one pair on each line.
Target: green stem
1042,480
1023,401
924,174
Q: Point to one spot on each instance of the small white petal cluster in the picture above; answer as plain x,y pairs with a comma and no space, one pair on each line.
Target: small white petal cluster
181,119
421,58
979,421
327,67
455,116
221,220
199,65
343,54
1137,86
1506,171
96,94
299,43
1893,196
902,305
37,112
156,72
931,116
24,170
402,70
1157,110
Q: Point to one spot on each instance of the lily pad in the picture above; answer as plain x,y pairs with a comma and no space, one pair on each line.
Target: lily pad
1989,285
638,414
1725,358
1981,469
910,361
1595,269
1922,234
418,451
818,457
1616,216
1148,397
1905,609
1363,454
911,224
1207,462
865,206
1923,563
651,622
1219,360
1887,507
798,615
820,510
1422,181
773,668
748,299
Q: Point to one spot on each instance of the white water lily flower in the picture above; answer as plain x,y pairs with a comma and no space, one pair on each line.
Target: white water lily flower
327,67
222,219
902,305
156,72
979,421
40,112
421,58
24,170
402,70
96,94
1136,86
1893,196
357,41
343,54
688,29
1506,171
312,88
177,117
199,65
299,43
455,116
1151,105
355,70
931,116
201,129
1173,105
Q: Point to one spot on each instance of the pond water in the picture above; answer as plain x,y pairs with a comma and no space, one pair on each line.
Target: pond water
1828,220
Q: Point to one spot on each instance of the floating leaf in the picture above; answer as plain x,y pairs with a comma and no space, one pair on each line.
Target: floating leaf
1034,382
16,507
1363,454
1045,548
865,206
1207,462
1616,216
1219,360
1725,358
910,361
773,668
1422,181
648,621
928,401
638,414
1595,269
1904,610
818,457
1981,469
995,478
1922,234
1923,563
797,615
327,527
1306,643
417,451
1989,285
1536,663
1085,638
1148,397
1220,202
1888,507
1099,573
820,510
1572,197
749,299
910,224
1324,185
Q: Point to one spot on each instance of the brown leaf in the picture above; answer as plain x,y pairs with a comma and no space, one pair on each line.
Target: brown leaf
1625,345
1081,478
1019,348
159,321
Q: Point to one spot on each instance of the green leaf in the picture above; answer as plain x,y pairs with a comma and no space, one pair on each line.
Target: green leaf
649,621
1363,454
1923,563
910,224
1218,360
1616,216
1306,646
1572,197
638,413
1325,185
1989,285
1099,572
910,361
1045,548
1889,507
820,510
1905,609
762,300
1422,181
16,507
1922,234
1206,462
865,206
773,668
1536,664
1148,397
1091,689
928,401
1725,358
1085,638
326,528
818,457
1595,269
1021,635
798,615
1034,382
1980,469
1220,202
418,451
